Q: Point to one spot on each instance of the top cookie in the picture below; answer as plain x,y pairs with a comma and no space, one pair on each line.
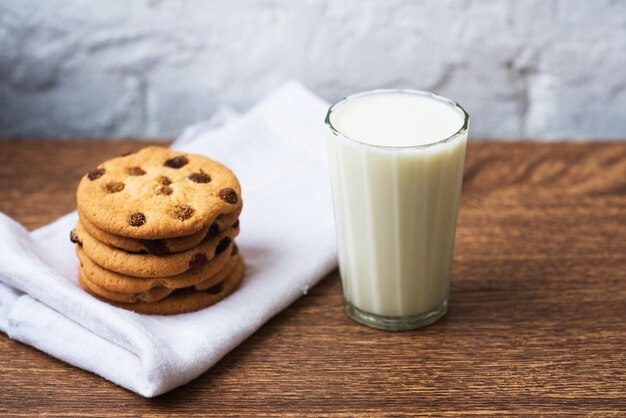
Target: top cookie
157,193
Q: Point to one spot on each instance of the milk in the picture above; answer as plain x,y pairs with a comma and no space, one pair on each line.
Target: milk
396,193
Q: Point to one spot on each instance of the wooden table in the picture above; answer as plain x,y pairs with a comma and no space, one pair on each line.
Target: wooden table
537,322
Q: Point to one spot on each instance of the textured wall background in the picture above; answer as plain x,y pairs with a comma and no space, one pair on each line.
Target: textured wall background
524,68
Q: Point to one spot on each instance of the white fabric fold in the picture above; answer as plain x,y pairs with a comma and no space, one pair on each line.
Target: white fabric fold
287,239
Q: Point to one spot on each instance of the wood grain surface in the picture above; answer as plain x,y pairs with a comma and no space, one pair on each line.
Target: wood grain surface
537,322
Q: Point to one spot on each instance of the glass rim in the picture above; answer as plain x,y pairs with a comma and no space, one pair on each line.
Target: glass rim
462,130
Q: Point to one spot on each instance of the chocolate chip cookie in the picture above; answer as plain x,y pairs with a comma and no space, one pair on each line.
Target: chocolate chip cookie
122,283
181,300
150,265
160,246
157,193
154,293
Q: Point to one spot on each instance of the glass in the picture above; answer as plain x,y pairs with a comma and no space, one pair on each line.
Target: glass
395,213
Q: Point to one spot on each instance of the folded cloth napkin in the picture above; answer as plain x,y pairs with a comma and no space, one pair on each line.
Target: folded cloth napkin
287,239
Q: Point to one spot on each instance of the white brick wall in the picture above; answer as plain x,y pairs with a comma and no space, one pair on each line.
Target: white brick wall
522,68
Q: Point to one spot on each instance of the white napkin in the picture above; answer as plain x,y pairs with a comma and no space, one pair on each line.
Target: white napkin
287,239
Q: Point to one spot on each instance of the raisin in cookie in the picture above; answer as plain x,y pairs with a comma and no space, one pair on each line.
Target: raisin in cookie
182,300
160,246
149,265
157,193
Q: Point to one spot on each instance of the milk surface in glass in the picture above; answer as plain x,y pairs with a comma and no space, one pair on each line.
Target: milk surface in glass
396,161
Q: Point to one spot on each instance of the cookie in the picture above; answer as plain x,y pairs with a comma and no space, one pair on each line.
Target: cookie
149,265
222,274
120,283
157,193
155,294
160,246
181,300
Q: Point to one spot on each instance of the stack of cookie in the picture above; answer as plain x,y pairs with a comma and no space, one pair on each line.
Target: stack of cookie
156,231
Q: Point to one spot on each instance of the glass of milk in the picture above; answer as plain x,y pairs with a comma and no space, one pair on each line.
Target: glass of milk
396,163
